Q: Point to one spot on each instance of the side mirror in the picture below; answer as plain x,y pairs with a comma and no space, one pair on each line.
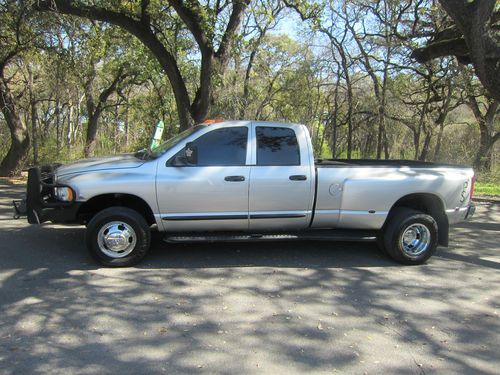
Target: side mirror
191,153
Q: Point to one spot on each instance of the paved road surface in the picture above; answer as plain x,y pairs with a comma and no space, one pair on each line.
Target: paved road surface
272,308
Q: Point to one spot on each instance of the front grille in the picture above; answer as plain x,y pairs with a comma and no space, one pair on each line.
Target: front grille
47,173
47,179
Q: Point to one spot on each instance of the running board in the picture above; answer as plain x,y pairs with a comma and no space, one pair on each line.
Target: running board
319,235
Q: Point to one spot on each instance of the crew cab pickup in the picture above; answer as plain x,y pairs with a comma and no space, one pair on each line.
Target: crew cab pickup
249,181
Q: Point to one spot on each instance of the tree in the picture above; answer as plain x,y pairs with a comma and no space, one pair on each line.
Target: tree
375,28
472,36
103,51
15,38
259,21
485,110
18,152
146,21
428,94
338,45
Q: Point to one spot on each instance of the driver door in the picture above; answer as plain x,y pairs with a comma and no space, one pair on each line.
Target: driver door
212,194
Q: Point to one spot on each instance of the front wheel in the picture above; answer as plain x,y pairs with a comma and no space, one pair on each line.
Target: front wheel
411,237
118,237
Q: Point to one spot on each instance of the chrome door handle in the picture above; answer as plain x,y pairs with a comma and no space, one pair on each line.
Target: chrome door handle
234,178
298,177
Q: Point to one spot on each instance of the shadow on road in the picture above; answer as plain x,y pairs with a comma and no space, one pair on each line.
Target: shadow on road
293,307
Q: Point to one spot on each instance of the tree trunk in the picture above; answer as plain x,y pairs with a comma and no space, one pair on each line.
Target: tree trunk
17,155
116,132
383,142
474,20
381,129
488,137
90,140
34,130
34,114
126,124
69,133
246,84
421,126
482,161
368,149
416,142
322,142
58,126
94,109
443,113
334,117
437,151
349,105
426,145
333,139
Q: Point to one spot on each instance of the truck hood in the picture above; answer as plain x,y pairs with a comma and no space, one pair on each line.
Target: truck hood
97,164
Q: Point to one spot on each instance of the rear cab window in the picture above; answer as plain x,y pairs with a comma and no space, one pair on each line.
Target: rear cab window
277,146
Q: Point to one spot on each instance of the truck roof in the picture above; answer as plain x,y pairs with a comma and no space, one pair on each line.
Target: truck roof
248,122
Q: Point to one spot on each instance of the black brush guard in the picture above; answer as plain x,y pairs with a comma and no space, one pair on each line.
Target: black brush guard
40,204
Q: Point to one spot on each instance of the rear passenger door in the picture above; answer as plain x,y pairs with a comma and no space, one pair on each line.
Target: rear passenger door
281,179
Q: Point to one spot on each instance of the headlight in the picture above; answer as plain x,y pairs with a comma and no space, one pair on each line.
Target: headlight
64,194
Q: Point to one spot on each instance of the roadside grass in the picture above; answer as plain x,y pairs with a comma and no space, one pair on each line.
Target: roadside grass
486,188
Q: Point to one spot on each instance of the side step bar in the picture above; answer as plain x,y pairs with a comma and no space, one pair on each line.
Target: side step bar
317,235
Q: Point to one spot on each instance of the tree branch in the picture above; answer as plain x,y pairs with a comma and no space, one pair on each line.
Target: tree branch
140,30
472,39
232,27
192,21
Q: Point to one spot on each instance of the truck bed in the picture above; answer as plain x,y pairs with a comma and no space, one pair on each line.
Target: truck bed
360,193
333,163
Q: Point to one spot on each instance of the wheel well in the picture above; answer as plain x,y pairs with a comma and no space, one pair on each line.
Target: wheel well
431,205
100,202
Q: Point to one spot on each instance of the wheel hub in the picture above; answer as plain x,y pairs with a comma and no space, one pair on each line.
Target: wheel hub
410,236
415,240
116,239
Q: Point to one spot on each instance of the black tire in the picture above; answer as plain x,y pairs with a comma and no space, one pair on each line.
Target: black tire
425,232
130,226
380,242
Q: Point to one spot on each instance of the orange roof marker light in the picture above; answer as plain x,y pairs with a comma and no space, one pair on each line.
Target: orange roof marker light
212,121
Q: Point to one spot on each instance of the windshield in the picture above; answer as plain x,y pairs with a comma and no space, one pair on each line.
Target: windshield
168,144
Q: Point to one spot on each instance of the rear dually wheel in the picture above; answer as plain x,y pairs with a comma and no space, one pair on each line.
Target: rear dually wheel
411,236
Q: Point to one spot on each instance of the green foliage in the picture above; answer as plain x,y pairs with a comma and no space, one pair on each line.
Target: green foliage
292,79
487,189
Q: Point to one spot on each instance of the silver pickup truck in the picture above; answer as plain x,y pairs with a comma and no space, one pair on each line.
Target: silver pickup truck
249,181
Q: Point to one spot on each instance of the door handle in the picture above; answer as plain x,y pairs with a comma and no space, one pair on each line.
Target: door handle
298,177
234,178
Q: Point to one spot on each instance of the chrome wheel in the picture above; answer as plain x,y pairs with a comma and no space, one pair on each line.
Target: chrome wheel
116,239
415,240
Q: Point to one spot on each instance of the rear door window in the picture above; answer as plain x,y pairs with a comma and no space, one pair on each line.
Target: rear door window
277,146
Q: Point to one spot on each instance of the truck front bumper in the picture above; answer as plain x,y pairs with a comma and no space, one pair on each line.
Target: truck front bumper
40,204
